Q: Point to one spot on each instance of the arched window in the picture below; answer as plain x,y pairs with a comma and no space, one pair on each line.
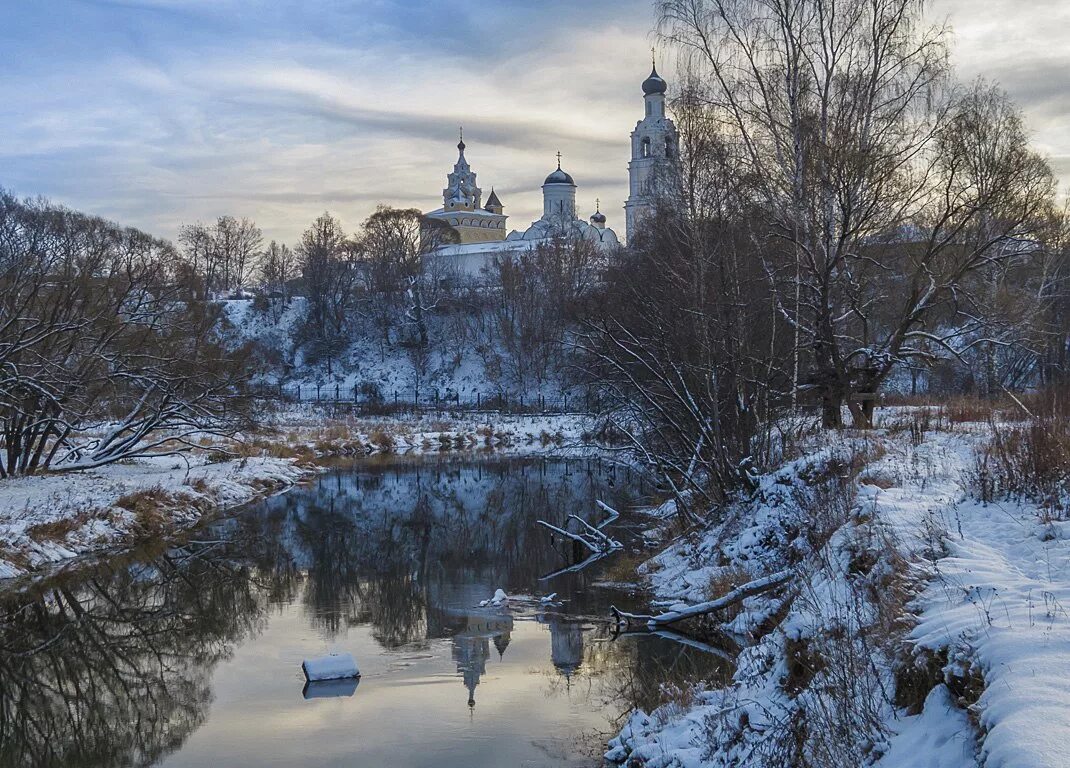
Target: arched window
645,147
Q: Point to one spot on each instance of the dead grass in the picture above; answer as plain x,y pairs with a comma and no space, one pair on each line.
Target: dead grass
721,583
57,530
382,440
18,559
624,567
1030,460
147,506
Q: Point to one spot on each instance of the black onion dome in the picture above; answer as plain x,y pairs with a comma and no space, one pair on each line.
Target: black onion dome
654,83
559,177
598,218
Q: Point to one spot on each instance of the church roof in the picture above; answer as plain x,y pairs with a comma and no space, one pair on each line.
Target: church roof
559,177
654,83
493,200
474,213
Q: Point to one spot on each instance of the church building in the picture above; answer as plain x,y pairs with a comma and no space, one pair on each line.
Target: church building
482,229
462,206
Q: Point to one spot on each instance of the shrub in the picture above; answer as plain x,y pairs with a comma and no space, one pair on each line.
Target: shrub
1028,460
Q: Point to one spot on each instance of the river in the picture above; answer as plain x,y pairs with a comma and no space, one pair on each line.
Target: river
188,653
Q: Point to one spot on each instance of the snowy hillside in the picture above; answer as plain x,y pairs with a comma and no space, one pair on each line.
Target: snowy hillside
459,362
923,627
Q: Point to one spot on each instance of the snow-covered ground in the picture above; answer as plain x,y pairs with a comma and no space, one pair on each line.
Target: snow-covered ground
326,432
50,518
455,365
923,628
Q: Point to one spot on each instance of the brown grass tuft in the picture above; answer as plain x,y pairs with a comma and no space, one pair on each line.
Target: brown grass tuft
148,506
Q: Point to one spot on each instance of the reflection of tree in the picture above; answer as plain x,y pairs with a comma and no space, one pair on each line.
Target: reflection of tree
635,671
359,575
113,668
114,671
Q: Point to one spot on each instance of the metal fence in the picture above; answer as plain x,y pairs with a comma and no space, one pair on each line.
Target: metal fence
360,399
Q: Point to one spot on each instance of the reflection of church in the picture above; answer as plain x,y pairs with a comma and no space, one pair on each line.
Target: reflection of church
566,646
471,647
481,227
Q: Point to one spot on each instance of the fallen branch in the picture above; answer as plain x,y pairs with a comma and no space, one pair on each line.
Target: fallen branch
607,543
737,595
591,559
574,536
594,539
613,514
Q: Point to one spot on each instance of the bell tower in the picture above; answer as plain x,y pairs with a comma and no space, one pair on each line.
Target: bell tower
655,146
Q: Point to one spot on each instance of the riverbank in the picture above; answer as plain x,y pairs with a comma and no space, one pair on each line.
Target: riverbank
925,622
49,519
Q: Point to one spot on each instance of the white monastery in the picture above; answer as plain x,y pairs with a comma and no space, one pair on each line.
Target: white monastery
482,228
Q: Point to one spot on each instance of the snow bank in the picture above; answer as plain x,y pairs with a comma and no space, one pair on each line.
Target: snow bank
992,590
49,518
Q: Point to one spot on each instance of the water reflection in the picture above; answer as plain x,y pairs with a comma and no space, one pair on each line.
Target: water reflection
119,666
115,669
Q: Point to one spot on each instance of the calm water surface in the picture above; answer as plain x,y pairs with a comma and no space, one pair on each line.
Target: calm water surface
190,655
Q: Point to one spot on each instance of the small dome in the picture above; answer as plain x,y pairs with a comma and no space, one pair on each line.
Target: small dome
654,83
598,218
559,177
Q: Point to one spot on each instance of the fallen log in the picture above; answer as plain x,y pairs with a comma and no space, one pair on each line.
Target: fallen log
595,538
596,533
737,595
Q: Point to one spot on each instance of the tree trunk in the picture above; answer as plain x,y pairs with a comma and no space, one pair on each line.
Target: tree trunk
831,411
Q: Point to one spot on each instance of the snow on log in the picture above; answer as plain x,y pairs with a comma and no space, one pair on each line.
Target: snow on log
596,533
613,514
593,537
737,595
337,666
568,535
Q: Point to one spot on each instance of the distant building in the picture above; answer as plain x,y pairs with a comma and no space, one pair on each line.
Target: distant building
655,149
482,229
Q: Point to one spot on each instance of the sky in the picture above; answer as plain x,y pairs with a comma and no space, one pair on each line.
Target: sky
158,113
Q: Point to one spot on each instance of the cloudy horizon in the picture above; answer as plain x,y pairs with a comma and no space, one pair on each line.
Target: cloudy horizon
157,113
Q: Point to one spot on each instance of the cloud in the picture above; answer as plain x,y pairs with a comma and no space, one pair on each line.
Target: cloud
160,112
179,113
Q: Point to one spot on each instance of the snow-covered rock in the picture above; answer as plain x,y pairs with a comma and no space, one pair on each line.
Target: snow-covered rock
336,666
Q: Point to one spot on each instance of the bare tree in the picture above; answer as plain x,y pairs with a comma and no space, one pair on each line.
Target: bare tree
684,335
537,298
225,255
326,260
394,246
278,268
884,185
100,360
